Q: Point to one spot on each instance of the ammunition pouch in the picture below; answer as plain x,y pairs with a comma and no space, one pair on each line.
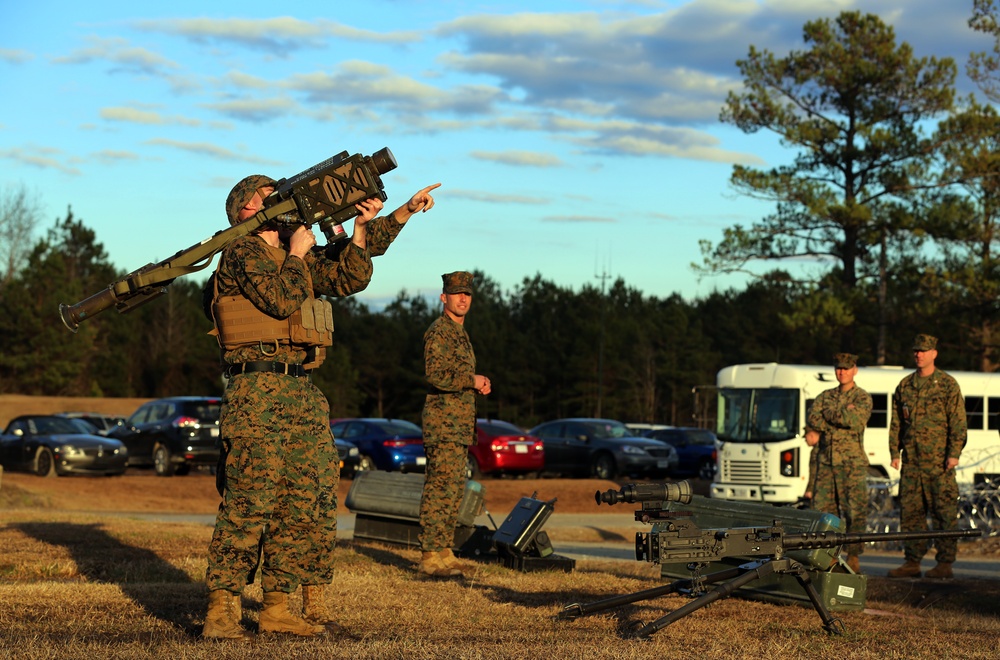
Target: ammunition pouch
240,323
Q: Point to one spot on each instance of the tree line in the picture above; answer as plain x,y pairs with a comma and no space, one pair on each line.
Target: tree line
893,192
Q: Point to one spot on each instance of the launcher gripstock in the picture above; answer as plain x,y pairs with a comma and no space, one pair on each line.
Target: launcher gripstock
676,538
325,194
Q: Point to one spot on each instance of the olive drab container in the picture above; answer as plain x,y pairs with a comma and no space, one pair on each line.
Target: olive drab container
386,507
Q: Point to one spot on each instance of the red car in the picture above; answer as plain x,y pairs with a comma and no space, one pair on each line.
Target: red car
502,448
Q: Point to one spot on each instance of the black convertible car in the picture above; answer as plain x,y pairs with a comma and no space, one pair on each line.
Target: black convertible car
48,445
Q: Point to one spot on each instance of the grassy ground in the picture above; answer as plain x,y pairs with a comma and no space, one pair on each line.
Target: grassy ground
81,584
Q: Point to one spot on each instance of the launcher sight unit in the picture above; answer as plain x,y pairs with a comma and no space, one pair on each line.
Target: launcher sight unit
755,552
325,194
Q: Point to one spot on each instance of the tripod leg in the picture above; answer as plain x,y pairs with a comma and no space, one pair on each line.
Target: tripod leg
577,609
747,573
831,624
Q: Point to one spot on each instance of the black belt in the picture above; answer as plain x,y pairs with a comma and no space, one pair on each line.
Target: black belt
293,370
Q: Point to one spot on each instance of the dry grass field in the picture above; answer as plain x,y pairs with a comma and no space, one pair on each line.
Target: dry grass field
79,578
77,582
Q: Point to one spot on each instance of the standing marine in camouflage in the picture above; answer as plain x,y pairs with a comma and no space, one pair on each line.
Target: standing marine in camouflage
927,435
281,464
836,431
449,424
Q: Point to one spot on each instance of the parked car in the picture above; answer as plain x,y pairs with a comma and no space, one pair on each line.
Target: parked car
603,448
103,423
49,445
696,451
384,444
350,458
502,448
172,435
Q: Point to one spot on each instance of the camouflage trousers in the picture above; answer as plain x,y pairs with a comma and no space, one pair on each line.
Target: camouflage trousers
928,492
843,491
444,486
279,506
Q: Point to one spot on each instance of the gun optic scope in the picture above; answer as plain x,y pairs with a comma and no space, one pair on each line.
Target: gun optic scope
632,493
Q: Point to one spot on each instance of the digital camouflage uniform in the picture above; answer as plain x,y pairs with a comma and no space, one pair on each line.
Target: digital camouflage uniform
449,422
928,427
839,485
281,464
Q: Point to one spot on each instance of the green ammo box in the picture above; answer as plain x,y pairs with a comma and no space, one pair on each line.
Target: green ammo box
838,591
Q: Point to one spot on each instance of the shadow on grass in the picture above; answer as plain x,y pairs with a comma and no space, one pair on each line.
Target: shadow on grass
162,590
963,596
607,535
381,553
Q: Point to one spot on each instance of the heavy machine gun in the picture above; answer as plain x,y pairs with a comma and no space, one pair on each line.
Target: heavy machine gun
767,550
325,194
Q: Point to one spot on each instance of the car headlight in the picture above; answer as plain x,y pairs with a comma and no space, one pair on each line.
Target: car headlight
70,450
353,451
632,449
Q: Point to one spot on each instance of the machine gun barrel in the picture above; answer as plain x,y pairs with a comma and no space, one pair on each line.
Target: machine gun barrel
812,540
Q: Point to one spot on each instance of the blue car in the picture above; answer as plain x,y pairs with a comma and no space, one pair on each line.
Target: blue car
696,452
392,445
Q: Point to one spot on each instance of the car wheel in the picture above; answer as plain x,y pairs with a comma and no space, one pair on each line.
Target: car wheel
161,462
472,468
604,466
45,463
366,464
707,470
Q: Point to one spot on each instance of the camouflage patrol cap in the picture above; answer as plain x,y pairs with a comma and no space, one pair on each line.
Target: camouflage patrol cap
924,343
845,360
457,282
241,194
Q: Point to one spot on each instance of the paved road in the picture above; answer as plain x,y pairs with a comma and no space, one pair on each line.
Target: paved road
872,563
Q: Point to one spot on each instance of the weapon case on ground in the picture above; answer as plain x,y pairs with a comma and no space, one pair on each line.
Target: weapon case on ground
838,591
386,507
522,545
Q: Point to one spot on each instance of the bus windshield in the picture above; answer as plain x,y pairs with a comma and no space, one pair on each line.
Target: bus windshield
757,415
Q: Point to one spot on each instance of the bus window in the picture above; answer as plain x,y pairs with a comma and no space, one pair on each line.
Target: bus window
757,415
734,406
775,415
974,412
880,412
993,420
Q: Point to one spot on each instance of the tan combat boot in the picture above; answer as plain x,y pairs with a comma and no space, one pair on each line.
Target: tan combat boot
432,565
854,564
940,572
275,617
223,618
909,569
449,559
315,611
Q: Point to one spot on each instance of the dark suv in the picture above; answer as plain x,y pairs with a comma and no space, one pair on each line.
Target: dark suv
696,452
172,435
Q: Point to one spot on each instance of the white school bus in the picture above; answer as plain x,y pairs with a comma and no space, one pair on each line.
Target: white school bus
762,410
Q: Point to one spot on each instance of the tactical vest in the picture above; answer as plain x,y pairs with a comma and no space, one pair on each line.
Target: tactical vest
238,322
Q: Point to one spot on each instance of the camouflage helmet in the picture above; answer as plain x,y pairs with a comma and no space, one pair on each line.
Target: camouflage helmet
457,282
845,360
242,192
925,343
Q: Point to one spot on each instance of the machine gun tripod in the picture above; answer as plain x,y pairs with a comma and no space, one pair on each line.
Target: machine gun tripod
676,537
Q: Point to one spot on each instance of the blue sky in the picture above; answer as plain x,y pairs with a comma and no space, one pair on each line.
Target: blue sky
572,139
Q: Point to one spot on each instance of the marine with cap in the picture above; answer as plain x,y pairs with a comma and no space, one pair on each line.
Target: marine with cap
449,424
836,431
279,495
926,436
